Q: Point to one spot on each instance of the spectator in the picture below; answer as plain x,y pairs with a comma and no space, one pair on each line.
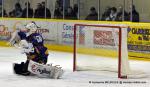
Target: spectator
59,3
38,12
48,13
135,15
58,13
69,14
113,14
93,14
2,11
106,13
11,14
17,12
30,11
120,15
75,10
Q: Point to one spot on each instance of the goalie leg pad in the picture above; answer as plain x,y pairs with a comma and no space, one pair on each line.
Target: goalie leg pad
56,72
60,74
39,69
48,70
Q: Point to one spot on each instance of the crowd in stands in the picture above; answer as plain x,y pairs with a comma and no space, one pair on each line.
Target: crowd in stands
110,13
58,13
69,12
4,12
93,15
40,12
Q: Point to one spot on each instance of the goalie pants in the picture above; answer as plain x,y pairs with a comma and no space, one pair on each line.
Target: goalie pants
39,55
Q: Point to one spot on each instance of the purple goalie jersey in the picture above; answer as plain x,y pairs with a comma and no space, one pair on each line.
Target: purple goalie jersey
40,53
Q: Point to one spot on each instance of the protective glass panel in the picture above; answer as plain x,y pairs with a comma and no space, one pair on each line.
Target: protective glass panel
141,11
58,7
1,11
14,8
71,10
89,9
128,8
113,12
27,10
48,8
38,7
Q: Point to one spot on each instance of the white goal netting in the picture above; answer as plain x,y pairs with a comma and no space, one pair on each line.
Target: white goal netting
102,48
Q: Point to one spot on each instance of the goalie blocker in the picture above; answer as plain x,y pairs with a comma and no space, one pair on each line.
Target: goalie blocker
31,67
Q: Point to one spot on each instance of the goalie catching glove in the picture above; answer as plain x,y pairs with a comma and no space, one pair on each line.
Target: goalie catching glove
26,47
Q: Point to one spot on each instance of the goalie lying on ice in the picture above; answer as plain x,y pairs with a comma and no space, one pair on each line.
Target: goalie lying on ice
32,44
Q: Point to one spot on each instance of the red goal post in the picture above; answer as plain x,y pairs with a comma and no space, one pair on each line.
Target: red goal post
102,26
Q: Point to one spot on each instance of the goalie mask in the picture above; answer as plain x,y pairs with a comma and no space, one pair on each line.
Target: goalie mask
32,27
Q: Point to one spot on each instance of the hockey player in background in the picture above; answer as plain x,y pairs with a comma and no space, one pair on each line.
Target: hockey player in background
32,44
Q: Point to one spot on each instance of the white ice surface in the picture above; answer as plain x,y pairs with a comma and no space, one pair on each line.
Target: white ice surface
69,79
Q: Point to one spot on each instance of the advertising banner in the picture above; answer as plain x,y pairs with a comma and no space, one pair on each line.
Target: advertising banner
62,33
103,38
5,34
139,38
47,29
65,33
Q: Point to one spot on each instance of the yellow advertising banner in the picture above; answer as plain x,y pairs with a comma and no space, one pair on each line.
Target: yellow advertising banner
139,38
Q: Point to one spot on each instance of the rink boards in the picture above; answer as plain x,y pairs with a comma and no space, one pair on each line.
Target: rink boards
58,35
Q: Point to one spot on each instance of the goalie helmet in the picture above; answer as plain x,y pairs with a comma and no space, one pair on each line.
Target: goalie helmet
32,27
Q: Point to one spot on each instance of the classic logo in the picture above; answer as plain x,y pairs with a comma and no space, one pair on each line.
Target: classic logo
33,68
37,69
43,71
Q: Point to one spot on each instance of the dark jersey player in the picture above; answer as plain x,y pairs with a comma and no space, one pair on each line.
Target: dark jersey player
32,44
37,51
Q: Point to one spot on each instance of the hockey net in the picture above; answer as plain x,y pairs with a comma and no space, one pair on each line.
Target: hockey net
102,48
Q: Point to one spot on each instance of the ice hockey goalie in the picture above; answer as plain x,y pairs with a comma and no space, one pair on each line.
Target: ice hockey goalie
32,44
